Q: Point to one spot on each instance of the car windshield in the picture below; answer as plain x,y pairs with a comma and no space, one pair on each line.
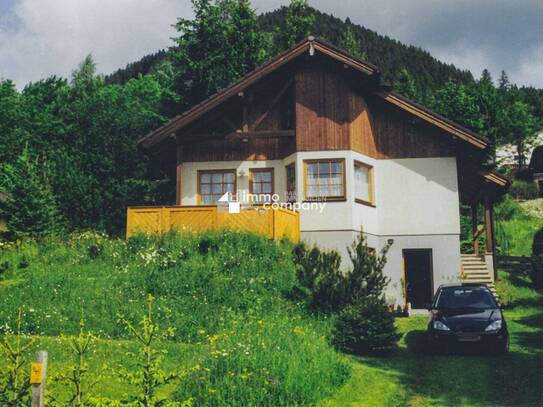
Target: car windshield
465,297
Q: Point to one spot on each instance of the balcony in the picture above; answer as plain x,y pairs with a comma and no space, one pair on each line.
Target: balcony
276,223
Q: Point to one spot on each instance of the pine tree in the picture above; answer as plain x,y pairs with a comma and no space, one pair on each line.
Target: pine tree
366,280
29,207
350,42
405,84
299,22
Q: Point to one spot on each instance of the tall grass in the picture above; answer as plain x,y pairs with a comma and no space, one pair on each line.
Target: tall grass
516,224
225,293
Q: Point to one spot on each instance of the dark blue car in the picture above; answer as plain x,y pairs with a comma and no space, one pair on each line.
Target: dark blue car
463,315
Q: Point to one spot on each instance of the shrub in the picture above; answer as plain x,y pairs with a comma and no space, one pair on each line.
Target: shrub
320,280
523,190
366,327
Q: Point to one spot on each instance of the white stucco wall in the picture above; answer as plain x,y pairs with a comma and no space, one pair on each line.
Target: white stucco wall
416,205
189,188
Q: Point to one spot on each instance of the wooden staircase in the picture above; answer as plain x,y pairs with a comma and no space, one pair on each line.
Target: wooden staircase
475,270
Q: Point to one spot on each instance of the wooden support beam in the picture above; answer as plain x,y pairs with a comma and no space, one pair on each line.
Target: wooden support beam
239,135
244,115
179,174
490,232
474,228
488,224
275,100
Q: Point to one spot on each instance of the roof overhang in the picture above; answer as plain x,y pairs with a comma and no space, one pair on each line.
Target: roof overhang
433,118
312,46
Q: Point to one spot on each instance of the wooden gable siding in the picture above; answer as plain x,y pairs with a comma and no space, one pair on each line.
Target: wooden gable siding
399,135
321,111
222,150
213,145
332,115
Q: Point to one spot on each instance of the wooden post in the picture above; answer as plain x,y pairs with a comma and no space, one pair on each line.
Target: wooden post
38,386
488,225
474,225
490,237
179,174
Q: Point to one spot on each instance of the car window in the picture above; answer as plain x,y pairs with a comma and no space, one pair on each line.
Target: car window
465,297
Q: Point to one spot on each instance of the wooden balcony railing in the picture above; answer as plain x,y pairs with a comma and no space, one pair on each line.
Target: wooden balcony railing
274,223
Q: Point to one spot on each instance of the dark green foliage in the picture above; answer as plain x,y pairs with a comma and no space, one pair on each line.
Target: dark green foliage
536,273
364,324
299,22
537,245
84,134
366,280
365,327
220,45
29,206
319,278
328,288
520,189
537,260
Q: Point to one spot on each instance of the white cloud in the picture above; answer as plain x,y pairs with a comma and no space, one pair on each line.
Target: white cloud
53,36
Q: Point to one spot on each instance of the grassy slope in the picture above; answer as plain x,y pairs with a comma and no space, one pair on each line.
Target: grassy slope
292,343
238,340
412,378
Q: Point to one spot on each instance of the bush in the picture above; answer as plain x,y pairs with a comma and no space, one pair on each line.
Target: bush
320,280
523,190
366,327
364,324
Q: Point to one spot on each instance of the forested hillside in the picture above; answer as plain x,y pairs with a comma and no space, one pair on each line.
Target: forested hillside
68,153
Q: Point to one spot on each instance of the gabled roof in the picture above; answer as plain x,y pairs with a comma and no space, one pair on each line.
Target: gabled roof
311,45
308,45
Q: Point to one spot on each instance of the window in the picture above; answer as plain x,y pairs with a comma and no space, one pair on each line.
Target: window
363,183
261,182
214,184
291,182
325,179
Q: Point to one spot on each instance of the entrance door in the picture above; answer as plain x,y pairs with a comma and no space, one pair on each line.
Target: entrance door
418,277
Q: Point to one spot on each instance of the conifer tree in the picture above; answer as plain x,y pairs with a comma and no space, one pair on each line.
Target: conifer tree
29,205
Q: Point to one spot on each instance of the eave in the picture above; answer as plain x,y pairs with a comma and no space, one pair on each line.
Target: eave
433,118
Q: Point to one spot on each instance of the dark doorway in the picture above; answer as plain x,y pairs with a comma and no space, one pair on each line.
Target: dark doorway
418,277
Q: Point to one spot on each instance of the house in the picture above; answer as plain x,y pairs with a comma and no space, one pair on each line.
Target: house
316,125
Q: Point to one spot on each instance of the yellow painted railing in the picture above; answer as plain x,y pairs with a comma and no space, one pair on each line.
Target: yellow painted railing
274,223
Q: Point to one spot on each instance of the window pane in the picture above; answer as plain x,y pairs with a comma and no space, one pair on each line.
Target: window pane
362,183
229,188
337,167
205,178
256,188
324,168
205,188
267,188
216,177
312,169
266,176
229,177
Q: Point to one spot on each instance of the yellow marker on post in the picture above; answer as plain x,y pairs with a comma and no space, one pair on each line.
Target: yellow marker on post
36,373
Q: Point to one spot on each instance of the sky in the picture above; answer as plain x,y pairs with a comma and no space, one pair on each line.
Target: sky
39,38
